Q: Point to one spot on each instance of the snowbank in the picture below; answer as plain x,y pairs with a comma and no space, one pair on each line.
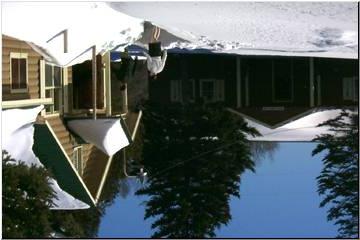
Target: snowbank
88,24
320,29
106,134
303,129
17,139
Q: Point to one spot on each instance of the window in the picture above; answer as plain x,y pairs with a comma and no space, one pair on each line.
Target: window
282,80
212,90
18,72
77,160
53,76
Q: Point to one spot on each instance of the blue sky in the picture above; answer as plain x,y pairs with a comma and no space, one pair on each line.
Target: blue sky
279,200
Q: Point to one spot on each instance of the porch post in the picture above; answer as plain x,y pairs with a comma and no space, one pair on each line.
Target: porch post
65,41
42,83
94,80
65,87
125,99
238,81
247,89
107,83
311,77
319,89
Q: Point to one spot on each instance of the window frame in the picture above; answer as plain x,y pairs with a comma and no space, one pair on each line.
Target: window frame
17,55
52,89
78,162
212,80
219,89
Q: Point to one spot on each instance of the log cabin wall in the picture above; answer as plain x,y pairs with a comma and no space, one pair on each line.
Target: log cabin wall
12,45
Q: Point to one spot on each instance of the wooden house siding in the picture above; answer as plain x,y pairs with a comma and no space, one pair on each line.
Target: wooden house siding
332,72
258,77
95,165
16,46
261,92
62,134
260,82
186,67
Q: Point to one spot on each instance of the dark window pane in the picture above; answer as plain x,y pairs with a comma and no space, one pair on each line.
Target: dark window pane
48,76
57,99
57,76
48,95
282,80
15,81
23,72
18,73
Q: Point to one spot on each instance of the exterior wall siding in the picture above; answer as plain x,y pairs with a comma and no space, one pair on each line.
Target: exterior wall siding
95,165
260,82
13,45
332,72
185,67
258,70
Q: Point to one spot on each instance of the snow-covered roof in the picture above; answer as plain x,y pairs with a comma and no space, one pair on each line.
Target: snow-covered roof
106,134
87,24
302,129
318,29
18,139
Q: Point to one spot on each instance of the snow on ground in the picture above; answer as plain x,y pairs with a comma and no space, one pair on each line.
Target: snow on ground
88,24
323,29
18,138
303,129
106,134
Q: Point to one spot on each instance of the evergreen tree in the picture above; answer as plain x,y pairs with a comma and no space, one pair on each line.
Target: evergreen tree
339,178
195,155
26,199
82,223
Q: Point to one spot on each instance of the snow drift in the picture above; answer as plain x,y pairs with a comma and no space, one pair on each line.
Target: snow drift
319,29
18,138
303,129
107,135
87,23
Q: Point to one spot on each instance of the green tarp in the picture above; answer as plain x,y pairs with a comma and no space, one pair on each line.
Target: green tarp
53,158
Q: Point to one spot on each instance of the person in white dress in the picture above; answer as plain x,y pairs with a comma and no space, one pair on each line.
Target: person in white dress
156,57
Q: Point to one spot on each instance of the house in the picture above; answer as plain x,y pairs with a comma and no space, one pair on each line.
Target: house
79,162
272,90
